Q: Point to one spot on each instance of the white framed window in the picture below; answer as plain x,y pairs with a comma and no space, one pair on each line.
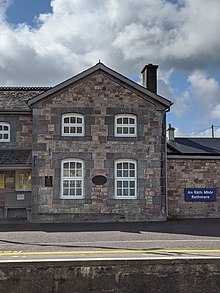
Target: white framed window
125,179
126,125
72,124
4,132
72,179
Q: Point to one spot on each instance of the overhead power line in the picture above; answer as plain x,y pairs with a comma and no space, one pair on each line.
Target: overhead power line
206,132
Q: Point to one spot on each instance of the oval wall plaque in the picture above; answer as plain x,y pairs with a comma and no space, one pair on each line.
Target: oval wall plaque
99,180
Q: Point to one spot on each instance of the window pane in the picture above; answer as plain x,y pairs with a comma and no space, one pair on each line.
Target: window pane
119,166
125,130
5,136
119,130
66,165
79,129
72,173
125,173
72,183
72,165
119,183
131,130
131,121
119,173
78,165
119,121
79,173
65,191
125,192
6,128
119,192
125,184
65,173
0,127
132,192
78,183
132,184
65,183
66,120
66,129
132,166
125,120
72,129
125,165
72,191
132,173
0,136
79,120
73,120
78,191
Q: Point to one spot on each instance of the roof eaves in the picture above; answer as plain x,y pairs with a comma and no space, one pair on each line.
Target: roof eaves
173,147
15,112
196,154
137,86
24,88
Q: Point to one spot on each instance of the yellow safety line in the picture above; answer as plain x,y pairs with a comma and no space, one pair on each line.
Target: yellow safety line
16,253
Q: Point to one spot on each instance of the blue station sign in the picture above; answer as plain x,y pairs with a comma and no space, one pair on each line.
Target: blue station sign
200,194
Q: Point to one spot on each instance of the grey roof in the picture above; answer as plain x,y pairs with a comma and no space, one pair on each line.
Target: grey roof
15,157
102,67
200,146
15,98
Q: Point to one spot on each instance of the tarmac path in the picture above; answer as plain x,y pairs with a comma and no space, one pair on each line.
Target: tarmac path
174,239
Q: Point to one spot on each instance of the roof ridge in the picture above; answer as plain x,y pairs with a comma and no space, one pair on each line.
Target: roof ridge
24,88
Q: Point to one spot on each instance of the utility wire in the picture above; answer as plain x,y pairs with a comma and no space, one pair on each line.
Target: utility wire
213,129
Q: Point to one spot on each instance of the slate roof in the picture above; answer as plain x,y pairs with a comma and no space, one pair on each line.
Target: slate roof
15,98
15,157
191,146
101,67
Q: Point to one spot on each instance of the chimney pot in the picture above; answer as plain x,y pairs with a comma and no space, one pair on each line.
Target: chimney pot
149,77
170,131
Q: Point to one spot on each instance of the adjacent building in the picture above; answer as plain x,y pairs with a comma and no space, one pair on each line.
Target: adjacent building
193,172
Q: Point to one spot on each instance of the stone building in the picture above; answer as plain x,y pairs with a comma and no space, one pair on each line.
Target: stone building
193,172
15,150
92,148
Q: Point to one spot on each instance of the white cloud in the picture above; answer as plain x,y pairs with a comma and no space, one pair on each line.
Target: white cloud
207,92
4,4
181,100
125,35
206,89
215,113
181,105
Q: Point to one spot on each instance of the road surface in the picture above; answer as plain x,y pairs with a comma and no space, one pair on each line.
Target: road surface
175,239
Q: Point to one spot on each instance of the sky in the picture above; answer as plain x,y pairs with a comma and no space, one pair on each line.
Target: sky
44,42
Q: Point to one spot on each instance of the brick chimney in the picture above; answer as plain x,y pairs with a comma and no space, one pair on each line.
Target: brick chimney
170,131
149,77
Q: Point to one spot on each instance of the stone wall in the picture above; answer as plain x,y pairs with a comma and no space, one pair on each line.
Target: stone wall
99,99
21,131
128,276
192,173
